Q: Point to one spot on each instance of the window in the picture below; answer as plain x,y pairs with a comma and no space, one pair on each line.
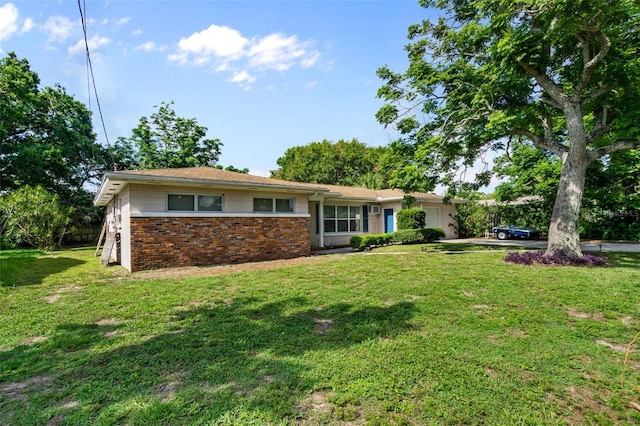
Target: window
341,218
180,202
271,205
209,203
193,203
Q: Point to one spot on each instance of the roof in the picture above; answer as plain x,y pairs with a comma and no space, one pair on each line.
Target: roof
114,182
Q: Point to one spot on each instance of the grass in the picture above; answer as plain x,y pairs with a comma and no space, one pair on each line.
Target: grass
374,338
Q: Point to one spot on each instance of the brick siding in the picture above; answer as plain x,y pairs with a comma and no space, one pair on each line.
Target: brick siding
165,242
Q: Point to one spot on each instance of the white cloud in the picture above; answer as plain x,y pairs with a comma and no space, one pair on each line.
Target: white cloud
150,46
122,21
136,32
214,43
94,44
277,52
227,50
310,84
243,79
8,20
58,28
27,25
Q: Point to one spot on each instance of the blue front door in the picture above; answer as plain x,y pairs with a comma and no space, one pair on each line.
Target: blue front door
388,221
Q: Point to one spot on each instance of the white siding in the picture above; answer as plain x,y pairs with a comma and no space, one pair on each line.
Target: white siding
153,198
125,229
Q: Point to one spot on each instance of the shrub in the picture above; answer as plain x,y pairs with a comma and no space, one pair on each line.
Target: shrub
33,216
413,218
433,234
360,242
409,236
355,241
539,257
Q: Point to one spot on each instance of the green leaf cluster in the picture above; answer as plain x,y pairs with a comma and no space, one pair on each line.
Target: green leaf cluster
164,140
489,74
348,163
31,215
46,138
413,218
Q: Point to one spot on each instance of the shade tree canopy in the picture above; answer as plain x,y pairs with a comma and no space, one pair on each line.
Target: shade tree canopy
165,140
348,163
559,74
46,136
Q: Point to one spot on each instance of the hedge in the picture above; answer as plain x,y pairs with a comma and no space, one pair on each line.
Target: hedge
403,236
360,242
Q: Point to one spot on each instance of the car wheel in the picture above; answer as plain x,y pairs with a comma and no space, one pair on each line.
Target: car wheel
502,235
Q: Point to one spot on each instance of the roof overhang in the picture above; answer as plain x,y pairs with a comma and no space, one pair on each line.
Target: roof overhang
114,182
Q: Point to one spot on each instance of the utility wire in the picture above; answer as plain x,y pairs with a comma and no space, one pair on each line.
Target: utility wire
93,80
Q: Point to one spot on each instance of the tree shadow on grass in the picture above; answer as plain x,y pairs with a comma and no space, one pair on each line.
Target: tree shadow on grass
230,363
620,260
30,270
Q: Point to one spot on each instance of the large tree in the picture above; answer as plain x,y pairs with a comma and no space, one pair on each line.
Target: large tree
46,137
350,163
165,140
561,74
47,140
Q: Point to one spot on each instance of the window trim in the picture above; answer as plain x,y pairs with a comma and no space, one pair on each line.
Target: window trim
195,203
335,219
273,205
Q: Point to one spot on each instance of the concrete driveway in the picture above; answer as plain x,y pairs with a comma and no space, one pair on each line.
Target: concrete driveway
587,246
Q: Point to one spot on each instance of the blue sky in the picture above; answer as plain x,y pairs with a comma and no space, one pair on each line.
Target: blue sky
262,76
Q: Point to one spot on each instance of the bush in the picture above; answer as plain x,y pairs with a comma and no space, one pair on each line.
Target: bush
360,242
413,218
417,236
32,216
409,236
433,234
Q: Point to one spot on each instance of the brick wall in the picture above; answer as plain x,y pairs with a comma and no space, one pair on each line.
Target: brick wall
164,242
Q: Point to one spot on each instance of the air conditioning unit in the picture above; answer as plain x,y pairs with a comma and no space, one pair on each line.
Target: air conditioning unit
374,209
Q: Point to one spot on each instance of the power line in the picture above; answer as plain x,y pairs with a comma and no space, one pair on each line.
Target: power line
93,80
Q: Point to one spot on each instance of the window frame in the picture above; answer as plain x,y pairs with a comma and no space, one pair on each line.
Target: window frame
274,205
195,202
337,223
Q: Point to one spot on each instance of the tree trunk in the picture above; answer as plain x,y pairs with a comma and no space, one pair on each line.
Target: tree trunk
564,237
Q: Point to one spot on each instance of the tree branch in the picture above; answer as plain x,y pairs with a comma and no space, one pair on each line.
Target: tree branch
596,153
599,92
543,143
587,68
547,84
600,128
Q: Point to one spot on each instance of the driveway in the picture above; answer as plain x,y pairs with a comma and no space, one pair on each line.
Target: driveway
587,246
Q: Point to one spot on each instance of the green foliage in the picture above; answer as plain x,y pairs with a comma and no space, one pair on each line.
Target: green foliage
433,234
561,75
33,216
360,242
165,140
231,168
610,204
348,163
474,219
413,218
409,236
46,139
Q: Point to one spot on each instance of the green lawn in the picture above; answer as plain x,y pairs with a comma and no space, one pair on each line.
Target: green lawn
374,338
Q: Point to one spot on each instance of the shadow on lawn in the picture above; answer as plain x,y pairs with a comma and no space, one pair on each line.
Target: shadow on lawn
228,363
22,271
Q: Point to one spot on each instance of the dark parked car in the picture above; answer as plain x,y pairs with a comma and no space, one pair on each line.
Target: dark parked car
512,231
